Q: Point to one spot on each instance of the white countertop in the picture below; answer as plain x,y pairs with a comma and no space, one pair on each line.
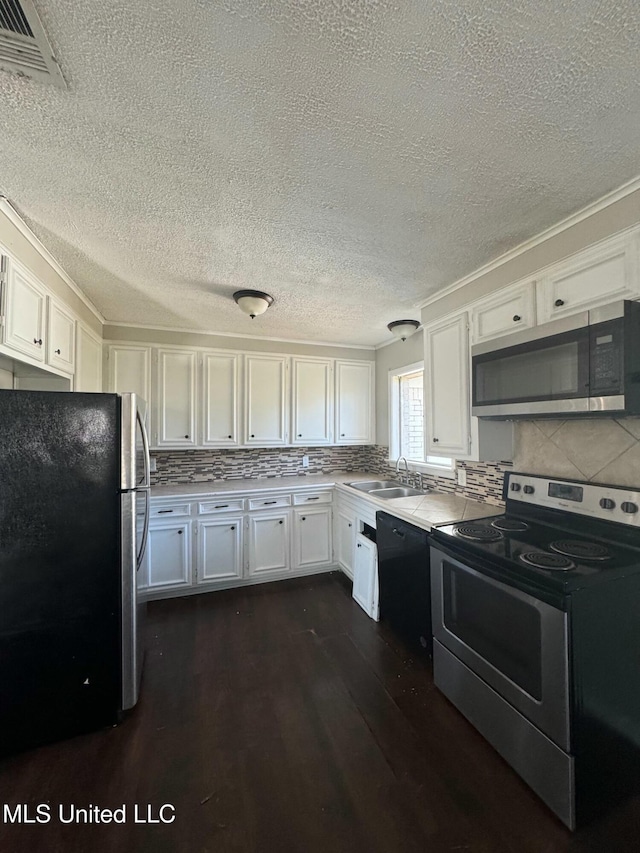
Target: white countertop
424,511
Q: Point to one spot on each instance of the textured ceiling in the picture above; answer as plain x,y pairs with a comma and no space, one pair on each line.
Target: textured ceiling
348,156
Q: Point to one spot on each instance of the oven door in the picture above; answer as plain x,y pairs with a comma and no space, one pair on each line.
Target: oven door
538,371
514,642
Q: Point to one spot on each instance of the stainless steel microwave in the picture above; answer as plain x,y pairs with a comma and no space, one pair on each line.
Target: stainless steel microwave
587,364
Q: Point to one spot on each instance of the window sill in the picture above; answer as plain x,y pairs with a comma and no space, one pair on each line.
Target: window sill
423,468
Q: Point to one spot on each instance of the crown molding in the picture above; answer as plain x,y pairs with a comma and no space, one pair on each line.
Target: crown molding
16,220
564,224
183,331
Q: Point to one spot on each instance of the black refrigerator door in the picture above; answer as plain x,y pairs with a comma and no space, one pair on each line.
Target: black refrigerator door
59,565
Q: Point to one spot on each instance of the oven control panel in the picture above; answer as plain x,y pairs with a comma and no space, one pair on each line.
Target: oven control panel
610,503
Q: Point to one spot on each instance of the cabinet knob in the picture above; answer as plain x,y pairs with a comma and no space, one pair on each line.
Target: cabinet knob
341,435
179,532
233,527
304,517
516,318
252,435
229,436
559,302
281,521
299,435
186,436
38,341
58,352
436,439
349,524
359,544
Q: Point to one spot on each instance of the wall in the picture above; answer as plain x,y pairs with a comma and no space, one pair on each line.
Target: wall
15,242
194,339
604,450
397,354
202,466
613,218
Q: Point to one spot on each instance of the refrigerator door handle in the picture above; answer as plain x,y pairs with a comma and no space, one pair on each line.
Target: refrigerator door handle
145,531
145,449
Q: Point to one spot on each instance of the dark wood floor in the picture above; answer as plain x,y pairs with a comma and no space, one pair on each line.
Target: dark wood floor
280,718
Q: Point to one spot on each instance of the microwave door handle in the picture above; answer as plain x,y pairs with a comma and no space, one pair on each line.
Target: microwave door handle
145,450
145,531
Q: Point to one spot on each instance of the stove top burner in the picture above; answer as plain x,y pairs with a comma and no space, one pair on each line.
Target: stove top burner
553,562
581,550
510,524
478,532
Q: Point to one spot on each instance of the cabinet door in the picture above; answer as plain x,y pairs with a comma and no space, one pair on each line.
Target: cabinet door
88,375
364,576
219,549
130,370
268,543
265,400
354,402
345,539
447,399
597,276
61,337
24,312
507,311
220,400
311,537
311,401
176,416
169,555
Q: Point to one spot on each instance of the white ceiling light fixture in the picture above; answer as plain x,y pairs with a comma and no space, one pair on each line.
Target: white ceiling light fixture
253,302
403,329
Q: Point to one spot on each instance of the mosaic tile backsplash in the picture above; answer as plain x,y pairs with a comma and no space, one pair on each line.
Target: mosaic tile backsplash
484,480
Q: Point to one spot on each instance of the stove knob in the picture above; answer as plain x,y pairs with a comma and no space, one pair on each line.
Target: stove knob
629,507
607,503
528,490
515,487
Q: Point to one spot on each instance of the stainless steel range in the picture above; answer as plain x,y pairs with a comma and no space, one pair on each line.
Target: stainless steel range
536,623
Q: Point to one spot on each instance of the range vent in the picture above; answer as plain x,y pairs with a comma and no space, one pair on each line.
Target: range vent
24,47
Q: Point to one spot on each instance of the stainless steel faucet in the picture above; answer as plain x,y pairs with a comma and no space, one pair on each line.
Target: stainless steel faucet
406,465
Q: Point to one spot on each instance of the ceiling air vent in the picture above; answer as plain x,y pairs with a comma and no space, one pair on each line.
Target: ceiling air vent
24,47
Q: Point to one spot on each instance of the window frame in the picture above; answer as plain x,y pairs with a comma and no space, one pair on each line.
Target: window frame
447,469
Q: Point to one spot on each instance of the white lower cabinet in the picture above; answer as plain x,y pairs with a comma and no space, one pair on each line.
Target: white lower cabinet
269,543
219,549
169,555
345,538
311,537
365,576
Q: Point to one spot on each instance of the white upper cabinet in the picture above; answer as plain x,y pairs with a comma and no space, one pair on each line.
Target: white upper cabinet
601,274
446,376
130,370
509,310
88,375
220,373
24,307
266,400
61,336
311,401
354,402
176,412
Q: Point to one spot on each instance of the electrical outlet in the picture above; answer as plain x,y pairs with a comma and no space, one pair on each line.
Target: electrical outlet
305,461
152,464
461,476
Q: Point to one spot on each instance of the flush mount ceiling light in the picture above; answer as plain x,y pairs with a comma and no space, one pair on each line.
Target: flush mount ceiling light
253,302
403,329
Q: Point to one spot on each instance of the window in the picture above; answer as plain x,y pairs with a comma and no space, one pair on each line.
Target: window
406,405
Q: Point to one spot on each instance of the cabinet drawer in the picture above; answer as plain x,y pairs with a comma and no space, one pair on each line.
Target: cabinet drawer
168,512
269,502
305,498
221,505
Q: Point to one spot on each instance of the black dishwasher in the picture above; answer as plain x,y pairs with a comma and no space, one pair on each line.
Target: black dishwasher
404,580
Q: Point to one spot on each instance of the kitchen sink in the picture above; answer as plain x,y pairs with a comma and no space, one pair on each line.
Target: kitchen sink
395,492
369,485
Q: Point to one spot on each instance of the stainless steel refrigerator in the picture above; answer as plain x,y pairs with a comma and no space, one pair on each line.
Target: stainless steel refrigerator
74,514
